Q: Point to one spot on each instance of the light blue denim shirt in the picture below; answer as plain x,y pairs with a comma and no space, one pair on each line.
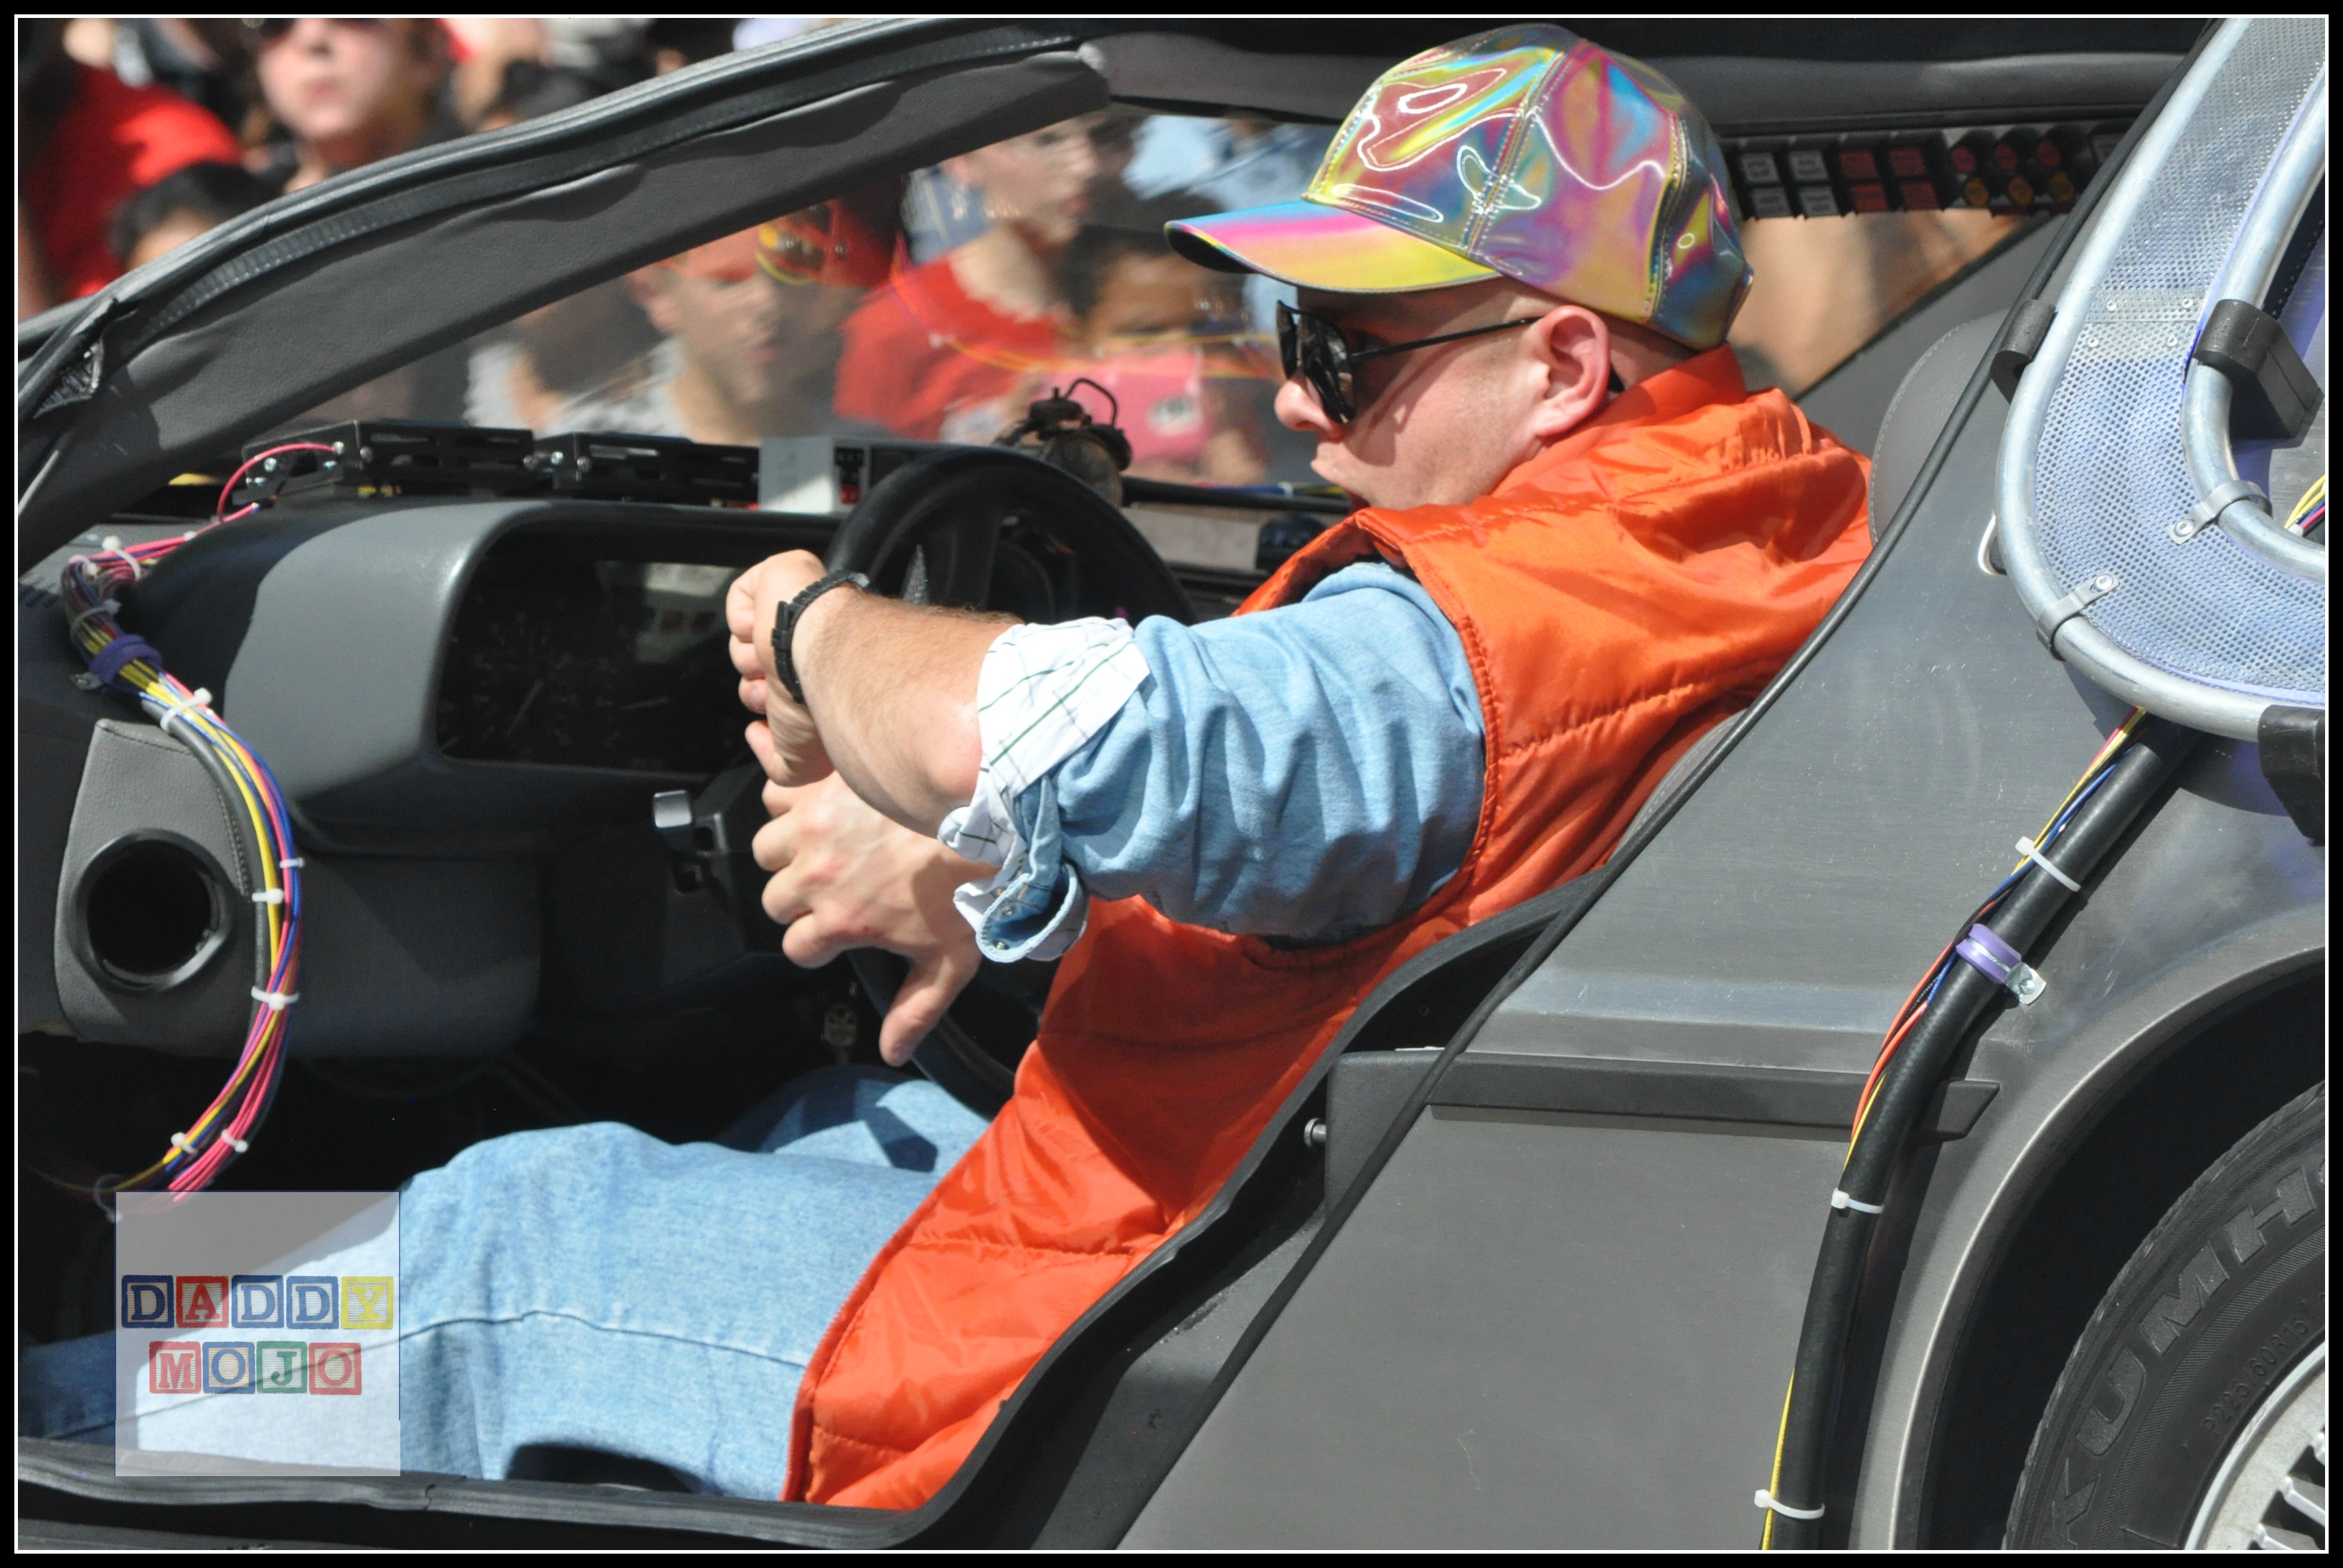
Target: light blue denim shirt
1308,772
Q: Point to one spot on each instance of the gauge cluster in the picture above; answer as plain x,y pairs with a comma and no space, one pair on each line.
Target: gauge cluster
558,656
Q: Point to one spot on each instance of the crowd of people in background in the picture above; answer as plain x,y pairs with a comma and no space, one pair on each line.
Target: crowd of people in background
134,136
933,308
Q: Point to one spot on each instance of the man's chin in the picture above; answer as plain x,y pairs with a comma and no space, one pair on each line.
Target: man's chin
1331,472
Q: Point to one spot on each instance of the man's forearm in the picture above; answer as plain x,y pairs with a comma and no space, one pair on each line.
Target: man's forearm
892,689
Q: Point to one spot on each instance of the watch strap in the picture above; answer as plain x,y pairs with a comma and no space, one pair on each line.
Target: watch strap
785,628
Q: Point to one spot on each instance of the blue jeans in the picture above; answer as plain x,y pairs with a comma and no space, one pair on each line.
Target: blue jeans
592,1287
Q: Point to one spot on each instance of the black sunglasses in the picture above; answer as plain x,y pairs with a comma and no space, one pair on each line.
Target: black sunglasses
1315,348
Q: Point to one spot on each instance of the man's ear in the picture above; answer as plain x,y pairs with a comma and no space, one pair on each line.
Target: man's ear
1572,347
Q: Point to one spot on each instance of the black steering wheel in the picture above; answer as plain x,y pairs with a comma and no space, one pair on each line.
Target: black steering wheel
983,528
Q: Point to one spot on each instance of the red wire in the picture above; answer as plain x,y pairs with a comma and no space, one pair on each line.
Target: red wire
219,511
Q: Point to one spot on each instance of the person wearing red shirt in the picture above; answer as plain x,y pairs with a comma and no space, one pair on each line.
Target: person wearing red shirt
941,353
102,141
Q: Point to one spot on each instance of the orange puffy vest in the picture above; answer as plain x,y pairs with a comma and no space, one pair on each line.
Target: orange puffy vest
1617,595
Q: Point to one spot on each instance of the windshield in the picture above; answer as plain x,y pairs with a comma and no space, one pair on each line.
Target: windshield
938,307
932,308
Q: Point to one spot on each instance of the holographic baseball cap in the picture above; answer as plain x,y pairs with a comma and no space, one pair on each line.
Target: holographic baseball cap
1525,152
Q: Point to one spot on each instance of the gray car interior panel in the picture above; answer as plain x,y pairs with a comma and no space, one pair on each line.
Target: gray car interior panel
1856,399
55,722
1457,1370
415,958
404,957
333,672
339,318
1923,400
141,787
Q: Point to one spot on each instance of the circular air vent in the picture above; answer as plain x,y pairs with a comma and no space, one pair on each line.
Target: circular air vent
149,911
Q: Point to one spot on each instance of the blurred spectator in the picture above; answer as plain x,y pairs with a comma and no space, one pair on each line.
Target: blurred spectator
487,50
741,342
945,351
85,141
1162,338
201,58
674,42
549,369
349,91
180,207
609,49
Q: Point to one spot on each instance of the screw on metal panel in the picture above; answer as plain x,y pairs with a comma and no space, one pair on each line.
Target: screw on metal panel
268,465
1314,1133
337,448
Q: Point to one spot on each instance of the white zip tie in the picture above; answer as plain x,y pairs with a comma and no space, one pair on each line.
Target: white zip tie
238,1144
179,1142
102,607
1767,1499
295,863
275,1000
2033,851
1839,1199
270,896
112,546
177,711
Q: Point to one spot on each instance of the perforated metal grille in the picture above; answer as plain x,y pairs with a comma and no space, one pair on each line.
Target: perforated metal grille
2111,478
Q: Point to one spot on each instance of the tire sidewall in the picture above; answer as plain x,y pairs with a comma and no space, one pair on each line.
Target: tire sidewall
2227,1295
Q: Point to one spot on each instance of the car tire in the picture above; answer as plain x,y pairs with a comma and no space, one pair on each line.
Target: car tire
2167,1393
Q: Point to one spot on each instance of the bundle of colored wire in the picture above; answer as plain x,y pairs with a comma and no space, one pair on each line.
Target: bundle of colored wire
123,662
2311,510
1933,979
1916,1007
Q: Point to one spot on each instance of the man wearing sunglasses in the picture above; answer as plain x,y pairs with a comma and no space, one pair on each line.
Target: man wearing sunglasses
1583,544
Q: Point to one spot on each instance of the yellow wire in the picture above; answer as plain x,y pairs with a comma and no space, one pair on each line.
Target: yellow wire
148,680
142,677
1774,1482
2115,743
2309,498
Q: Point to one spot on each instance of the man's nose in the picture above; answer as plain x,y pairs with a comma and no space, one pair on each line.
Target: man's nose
1298,409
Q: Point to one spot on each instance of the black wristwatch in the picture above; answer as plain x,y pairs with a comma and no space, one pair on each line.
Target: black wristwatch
785,628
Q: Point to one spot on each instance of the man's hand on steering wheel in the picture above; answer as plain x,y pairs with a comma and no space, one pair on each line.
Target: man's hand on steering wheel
791,748
845,877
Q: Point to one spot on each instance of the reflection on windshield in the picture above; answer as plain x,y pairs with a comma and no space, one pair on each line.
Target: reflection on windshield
935,309
938,308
